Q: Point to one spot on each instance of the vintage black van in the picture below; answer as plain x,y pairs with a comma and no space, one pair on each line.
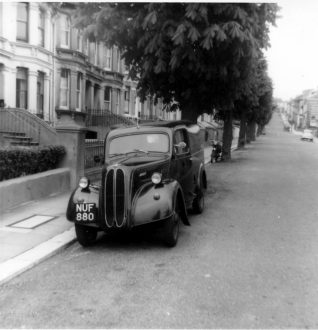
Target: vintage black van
151,173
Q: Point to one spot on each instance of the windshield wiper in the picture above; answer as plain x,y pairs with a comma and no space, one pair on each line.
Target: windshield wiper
137,150
156,152
117,154
128,152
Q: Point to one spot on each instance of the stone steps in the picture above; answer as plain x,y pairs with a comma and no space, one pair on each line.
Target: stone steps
17,139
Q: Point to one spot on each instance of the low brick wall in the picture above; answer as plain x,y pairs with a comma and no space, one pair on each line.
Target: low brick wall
32,187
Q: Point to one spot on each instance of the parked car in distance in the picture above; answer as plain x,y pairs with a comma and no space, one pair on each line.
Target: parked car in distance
152,174
307,135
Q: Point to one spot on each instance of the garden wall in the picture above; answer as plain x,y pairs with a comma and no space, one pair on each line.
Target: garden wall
16,191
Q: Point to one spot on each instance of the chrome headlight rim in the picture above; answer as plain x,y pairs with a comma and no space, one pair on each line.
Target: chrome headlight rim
83,182
156,178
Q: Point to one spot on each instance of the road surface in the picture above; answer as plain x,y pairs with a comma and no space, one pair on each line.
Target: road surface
249,261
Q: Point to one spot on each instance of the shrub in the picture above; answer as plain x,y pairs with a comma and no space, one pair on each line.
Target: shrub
19,162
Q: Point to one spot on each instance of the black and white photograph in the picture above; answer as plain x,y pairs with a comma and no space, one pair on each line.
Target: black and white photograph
158,165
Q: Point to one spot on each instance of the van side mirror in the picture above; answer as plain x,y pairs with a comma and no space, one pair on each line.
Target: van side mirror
181,145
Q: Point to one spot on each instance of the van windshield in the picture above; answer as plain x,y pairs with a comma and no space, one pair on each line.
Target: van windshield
145,143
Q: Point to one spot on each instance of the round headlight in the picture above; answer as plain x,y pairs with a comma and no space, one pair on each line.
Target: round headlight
83,182
156,178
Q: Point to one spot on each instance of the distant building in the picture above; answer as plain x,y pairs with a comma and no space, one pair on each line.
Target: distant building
304,109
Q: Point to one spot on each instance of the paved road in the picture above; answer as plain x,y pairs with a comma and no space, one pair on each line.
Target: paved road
250,261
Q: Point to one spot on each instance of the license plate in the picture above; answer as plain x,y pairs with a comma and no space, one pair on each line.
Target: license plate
85,212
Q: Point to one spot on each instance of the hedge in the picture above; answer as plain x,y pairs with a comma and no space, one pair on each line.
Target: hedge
20,162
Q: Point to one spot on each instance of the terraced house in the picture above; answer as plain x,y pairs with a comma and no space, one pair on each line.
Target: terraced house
48,66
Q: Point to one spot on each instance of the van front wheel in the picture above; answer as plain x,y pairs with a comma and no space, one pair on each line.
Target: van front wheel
171,230
86,236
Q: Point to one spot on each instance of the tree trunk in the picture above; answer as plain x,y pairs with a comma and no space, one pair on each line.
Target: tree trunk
253,131
260,129
242,135
227,135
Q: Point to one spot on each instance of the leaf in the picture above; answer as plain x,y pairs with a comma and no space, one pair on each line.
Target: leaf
151,18
174,62
161,66
152,45
235,31
220,35
240,14
147,66
191,11
203,11
178,37
193,34
207,43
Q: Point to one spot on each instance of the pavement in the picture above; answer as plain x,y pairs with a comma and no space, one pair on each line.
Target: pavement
34,231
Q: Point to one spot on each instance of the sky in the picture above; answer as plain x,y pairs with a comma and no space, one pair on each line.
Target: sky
293,55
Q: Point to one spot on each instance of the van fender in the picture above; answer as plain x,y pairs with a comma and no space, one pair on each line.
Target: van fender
202,180
157,202
79,196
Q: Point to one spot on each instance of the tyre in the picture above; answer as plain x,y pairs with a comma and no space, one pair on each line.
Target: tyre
198,202
86,236
171,230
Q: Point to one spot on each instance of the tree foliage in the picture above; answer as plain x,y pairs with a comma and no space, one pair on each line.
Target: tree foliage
194,53
255,105
201,56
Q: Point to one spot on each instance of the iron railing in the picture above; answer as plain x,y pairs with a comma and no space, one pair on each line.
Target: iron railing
94,153
105,118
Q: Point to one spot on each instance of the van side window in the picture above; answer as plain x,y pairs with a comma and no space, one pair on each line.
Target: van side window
180,136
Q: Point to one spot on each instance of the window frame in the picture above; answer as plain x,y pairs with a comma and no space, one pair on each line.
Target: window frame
108,59
79,40
118,61
41,28
108,101
96,53
25,22
127,100
22,71
86,47
67,89
181,132
117,100
66,28
40,96
79,88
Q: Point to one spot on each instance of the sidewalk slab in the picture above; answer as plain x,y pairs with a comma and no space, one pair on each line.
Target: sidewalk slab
19,264
23,244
